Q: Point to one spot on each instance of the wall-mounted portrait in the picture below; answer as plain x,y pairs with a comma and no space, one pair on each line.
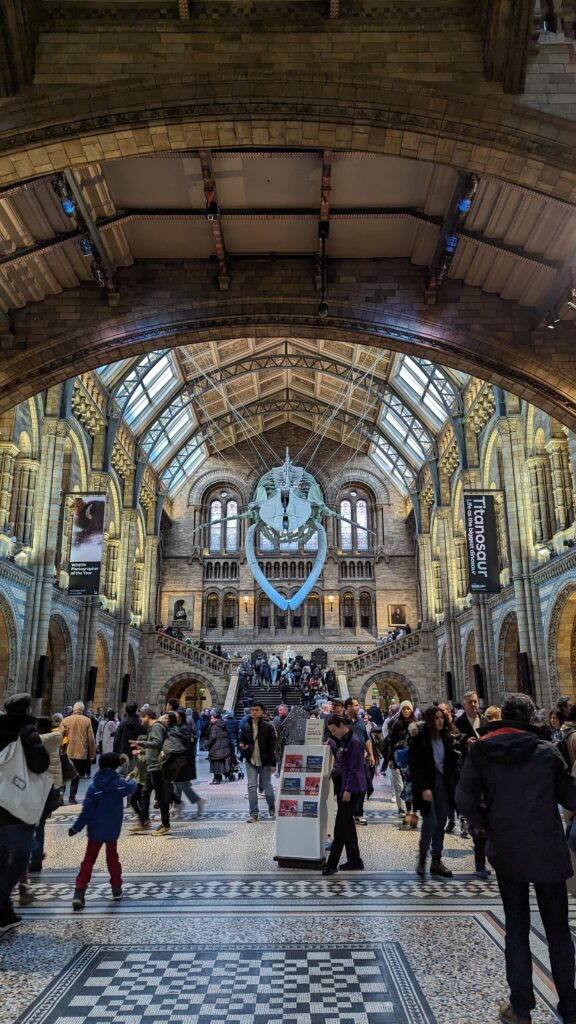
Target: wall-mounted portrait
396,614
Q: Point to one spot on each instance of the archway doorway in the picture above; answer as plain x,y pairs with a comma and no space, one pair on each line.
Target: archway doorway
192,693
385,691
509,649
562,644
101,661
55,694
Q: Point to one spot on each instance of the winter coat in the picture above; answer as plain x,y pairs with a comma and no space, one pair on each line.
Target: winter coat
128,729
179,755
78,730
568,736
219,746
423,768
152,746
398,733
103,808
511,785
353,773
267,740
53,743
12,726
467,732
232,729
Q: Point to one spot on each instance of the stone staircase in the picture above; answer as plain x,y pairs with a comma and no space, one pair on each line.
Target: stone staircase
174,660
410,660
269,695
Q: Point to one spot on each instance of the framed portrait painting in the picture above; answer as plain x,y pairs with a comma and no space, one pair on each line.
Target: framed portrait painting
396,614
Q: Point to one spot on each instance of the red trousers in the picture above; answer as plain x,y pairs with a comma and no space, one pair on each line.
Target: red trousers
90,858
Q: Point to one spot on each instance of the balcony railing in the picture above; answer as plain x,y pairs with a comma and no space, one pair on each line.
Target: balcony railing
380,655
193,654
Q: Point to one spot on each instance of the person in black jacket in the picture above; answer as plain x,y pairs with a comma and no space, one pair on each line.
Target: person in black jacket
471,725
15,835
257,743
128,729
511,785
433,770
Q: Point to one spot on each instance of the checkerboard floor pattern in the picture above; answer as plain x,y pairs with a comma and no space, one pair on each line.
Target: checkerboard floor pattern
244,986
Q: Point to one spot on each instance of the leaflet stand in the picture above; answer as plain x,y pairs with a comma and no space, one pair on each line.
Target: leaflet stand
302,806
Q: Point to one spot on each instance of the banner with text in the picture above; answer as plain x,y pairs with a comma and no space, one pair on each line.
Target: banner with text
86,546
482,539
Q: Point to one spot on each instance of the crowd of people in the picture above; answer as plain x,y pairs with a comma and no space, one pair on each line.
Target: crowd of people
499,774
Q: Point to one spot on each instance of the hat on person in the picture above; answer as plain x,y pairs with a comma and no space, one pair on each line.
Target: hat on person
18,704
406,704
57,718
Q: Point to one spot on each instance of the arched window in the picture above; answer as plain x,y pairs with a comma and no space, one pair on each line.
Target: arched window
284,570
268,570
362,528
209,570
212,611
233,571
352,571
229,612
360,570
354,534
300,570
346,528
348,611
265,544
368,570
215,524
312,542
277,570
343,570
217,570
314,611
264,612
231,526
365,611
225,571
292,570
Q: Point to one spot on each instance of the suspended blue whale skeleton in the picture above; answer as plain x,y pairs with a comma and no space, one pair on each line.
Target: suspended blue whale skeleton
287,507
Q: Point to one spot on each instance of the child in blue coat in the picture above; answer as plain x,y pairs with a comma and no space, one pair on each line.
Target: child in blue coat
102,814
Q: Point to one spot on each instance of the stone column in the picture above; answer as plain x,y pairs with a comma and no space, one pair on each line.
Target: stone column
521,548
449,593
562,498
125,580
8,453
150,583
43,560
427,602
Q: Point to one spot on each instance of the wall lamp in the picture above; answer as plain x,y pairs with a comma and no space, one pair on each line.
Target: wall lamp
331,600
246,602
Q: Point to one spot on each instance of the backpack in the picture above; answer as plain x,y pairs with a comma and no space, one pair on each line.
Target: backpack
22,793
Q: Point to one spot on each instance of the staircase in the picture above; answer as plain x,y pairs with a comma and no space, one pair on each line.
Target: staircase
173,661
269,695
410,659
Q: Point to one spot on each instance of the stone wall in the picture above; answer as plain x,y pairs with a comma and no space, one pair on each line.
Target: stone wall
551,80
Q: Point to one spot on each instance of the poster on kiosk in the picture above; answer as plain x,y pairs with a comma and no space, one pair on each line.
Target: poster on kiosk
305,803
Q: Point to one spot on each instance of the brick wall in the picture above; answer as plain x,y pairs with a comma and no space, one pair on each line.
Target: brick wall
551,80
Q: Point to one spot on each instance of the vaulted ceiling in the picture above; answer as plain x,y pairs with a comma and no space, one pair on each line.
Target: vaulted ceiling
187,403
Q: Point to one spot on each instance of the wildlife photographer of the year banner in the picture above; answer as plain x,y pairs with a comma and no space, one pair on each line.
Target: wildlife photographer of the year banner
86,546
482,540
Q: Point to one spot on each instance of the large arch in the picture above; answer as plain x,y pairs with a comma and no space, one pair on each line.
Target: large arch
8,649
177,685
561,645
508,650
58,690
393,685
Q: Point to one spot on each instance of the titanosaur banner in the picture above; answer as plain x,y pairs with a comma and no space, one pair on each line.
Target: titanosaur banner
86,547
482,539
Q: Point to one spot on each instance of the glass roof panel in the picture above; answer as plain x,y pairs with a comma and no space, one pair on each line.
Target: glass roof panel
147,391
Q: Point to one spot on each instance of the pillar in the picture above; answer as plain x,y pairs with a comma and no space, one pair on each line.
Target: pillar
8,453
150,582
43,560
126,555
521,550
449,593
562,498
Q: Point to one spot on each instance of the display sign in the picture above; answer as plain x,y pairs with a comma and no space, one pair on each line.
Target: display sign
314,730
86,546
482,541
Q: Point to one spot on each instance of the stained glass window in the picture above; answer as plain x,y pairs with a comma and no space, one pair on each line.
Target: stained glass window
215,525
346,528
232,527
362,528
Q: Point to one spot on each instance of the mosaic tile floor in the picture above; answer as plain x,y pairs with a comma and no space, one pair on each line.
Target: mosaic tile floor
210,930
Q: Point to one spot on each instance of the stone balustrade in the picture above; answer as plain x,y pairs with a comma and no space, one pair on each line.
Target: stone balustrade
192,654
379,656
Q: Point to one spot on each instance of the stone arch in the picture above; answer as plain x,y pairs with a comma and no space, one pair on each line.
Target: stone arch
203,483
8,648
102,661
561,641
508,650
399,687
59,685
78,442
178,684
373,482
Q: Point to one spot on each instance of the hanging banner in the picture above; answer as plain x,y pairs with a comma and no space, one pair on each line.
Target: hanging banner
482,539
86,546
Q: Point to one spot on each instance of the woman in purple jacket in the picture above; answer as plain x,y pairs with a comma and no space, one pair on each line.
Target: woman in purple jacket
352,791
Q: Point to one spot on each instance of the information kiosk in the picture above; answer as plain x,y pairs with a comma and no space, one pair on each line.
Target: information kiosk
304,805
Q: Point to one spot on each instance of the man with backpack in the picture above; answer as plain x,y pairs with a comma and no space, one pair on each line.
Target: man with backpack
16,834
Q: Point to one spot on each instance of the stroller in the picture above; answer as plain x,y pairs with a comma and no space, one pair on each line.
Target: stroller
235,774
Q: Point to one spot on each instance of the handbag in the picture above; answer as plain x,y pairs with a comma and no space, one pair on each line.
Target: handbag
22,793
68,770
